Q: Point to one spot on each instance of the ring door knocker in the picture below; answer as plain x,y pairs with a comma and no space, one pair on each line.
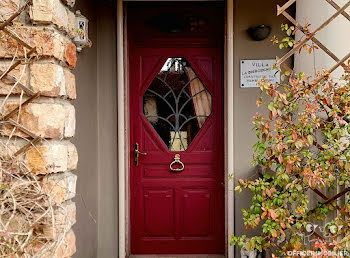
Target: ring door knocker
177,160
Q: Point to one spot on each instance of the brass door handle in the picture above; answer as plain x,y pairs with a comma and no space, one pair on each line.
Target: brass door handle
177,160
137,154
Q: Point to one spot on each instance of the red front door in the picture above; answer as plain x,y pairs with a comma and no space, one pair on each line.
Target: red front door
176,142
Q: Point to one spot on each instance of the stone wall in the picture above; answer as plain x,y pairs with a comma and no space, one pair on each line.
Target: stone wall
47,25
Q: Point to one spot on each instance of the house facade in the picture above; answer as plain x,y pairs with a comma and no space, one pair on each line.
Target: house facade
163,117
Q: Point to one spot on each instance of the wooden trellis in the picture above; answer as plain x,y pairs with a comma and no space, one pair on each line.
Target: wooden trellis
6,119
312,36
339,62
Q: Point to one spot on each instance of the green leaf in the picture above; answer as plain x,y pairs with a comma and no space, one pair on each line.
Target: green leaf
267,176
301,75
298,225
334,131
257,210
262,148
310,139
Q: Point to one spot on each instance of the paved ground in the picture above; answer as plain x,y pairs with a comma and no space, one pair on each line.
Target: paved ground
178,256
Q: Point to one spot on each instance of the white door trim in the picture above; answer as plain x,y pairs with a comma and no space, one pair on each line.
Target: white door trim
123,134
229,134
121,131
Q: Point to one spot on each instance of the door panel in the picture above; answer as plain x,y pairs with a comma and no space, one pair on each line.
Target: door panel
176,212
159,212
196,207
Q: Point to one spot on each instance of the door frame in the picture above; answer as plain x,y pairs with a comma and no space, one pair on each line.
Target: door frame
124,132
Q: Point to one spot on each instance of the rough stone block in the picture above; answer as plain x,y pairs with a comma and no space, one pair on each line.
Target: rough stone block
48,42
71,90
68,246
18,223
41,11
46,157
70,54
7,8
48,78
52,157
52,80
53,12
59,187
48,120
69,125
72,157
72,32
71,3
20,73
60,15
63,219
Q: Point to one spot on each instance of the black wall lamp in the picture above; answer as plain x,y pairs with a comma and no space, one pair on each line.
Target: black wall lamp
259,33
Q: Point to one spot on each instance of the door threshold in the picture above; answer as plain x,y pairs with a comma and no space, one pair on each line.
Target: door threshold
177,256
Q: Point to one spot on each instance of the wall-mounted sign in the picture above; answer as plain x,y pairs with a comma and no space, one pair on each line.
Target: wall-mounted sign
253,71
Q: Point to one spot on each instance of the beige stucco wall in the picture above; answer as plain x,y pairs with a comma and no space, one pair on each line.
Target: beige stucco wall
86,140
247,14
107,131
96,108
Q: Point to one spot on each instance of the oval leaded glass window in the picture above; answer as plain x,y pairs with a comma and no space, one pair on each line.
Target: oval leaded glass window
177,104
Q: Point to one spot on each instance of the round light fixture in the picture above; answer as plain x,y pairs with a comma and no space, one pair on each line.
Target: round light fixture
259,33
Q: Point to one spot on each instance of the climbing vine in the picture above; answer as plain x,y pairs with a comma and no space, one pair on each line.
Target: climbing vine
303,137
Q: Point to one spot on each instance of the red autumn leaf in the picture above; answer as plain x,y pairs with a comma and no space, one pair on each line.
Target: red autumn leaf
274,233
289,168
280,159
291,81
264,214
272,214
274,112
268,192
327,101
283,225
312,183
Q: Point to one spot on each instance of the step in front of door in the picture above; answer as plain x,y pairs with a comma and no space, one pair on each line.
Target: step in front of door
178,256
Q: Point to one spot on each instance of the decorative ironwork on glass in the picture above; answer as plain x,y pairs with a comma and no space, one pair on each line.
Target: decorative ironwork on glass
177,104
